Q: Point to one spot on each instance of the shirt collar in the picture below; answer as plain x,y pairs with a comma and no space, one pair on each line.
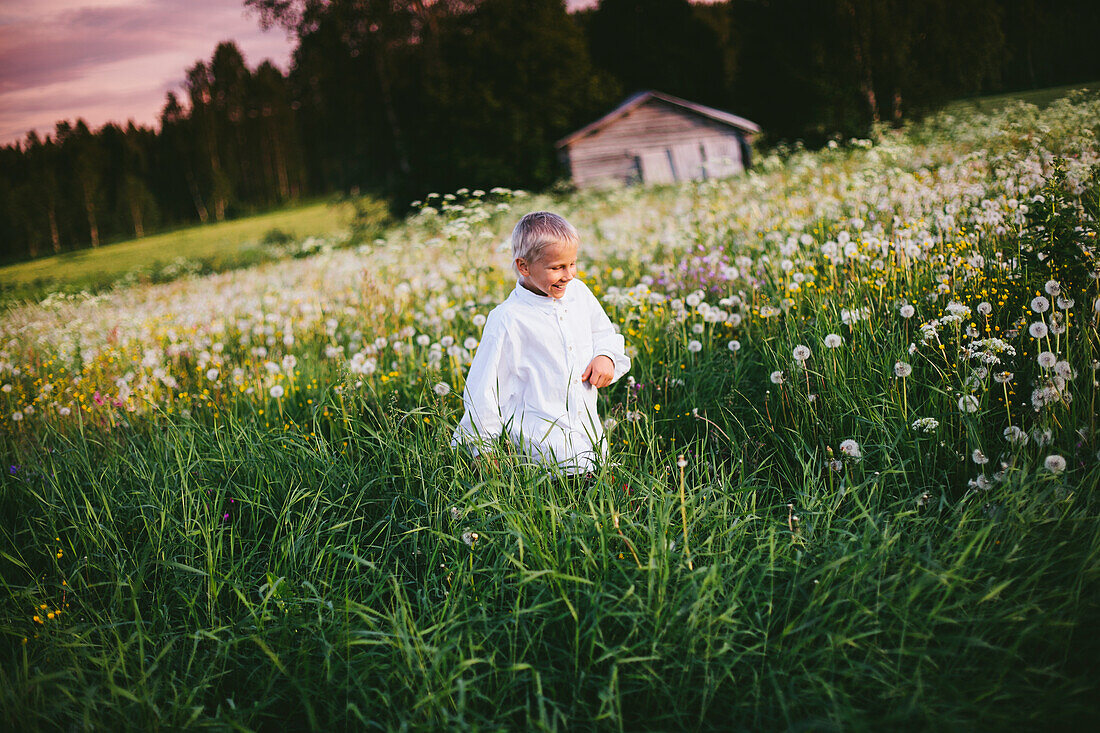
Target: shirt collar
539,301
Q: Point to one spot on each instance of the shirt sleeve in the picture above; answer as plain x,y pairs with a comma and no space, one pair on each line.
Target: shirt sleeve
490,384
606,341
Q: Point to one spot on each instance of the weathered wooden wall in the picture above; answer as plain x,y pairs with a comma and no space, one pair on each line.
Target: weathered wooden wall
657,143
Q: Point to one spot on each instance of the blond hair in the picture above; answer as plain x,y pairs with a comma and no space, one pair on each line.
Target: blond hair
537,231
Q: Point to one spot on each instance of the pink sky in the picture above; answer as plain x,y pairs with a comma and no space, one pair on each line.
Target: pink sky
106,60
114,60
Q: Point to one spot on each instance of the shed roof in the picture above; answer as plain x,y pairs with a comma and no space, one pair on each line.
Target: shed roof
641,98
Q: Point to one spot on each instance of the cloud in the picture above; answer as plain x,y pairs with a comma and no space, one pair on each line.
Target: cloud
113,60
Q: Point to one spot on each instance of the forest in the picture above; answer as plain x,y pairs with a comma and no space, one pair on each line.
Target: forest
399,98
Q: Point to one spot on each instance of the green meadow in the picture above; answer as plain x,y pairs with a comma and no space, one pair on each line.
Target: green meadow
851,480
213,247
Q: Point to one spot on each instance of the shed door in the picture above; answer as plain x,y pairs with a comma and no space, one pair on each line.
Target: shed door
687,161
656,166
723,157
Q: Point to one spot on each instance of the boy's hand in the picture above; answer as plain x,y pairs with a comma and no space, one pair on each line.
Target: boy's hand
600,371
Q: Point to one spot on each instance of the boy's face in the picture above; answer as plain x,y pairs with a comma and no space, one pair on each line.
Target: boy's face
552,271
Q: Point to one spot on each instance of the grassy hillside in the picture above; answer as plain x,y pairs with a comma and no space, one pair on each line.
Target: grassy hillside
212,247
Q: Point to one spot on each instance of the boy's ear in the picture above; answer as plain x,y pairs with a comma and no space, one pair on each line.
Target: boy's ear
521,265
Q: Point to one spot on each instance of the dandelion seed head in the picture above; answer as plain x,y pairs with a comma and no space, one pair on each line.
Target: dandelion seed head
851,449
1054,463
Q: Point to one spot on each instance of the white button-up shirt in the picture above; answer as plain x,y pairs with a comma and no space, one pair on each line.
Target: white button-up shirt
525,380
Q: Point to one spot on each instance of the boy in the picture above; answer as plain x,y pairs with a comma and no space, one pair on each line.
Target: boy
543,354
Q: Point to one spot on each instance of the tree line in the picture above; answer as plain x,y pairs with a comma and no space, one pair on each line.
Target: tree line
399,97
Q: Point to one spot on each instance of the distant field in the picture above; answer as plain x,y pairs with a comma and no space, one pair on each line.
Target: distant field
1039,97
215,246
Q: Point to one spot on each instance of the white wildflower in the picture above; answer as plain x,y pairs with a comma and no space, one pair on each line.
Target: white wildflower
926,424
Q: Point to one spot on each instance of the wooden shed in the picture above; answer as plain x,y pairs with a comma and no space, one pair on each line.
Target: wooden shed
658,138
